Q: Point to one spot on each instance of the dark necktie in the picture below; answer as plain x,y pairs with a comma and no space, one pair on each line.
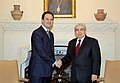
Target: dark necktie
48,33
77,48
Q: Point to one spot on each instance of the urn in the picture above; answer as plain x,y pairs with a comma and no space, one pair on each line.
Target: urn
16,13
100,15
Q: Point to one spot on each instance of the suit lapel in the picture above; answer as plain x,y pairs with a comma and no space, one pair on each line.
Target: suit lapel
51,39
44,32
74,44
83,43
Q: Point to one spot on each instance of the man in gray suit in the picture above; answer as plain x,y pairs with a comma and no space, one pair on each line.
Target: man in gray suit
86,60
42,57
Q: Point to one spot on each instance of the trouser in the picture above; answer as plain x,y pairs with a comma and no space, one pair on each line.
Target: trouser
83,82
36,79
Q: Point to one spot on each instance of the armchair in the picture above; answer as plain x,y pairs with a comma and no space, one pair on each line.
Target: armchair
9,72
112,72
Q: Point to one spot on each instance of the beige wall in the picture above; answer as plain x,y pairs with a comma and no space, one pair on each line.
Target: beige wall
85,10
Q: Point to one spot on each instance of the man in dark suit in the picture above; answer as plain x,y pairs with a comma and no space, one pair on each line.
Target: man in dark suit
87,61
42,58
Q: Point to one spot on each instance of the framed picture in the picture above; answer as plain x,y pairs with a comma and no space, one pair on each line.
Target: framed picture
61,8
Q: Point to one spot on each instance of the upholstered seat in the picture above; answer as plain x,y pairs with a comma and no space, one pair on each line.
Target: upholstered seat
9,72
112,72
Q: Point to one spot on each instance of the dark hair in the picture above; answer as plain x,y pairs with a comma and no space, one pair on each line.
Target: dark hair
47,12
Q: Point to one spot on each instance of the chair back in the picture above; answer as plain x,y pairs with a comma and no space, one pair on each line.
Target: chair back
9,71
112,72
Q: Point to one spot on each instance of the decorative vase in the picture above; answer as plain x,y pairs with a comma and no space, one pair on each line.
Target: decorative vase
100,15
16,13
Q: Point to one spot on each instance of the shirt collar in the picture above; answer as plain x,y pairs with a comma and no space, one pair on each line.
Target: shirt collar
80,41
45,28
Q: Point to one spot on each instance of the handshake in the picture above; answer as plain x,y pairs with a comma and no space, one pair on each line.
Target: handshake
57,63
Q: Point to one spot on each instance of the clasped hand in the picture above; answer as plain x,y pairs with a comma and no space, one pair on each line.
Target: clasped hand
57,63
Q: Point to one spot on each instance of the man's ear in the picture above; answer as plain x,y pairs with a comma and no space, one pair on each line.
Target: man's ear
42,21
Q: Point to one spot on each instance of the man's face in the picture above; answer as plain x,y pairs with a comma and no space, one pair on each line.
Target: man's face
48,21
80,31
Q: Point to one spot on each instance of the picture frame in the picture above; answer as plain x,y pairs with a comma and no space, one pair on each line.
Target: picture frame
61,8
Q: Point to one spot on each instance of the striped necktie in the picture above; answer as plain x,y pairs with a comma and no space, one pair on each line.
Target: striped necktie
48,33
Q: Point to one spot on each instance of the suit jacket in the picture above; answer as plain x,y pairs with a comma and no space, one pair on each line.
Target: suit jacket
87,62
42,56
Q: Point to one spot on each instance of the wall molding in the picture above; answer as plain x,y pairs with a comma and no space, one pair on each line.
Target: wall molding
91,26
